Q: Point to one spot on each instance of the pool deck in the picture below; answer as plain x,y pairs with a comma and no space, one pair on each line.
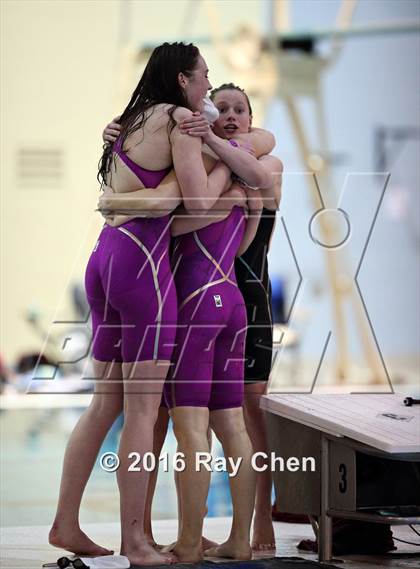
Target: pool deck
27,548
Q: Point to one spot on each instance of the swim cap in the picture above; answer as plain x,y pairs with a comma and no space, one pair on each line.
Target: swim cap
210,110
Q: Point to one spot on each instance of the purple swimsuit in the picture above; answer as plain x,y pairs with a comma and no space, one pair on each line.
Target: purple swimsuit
208,359
130,287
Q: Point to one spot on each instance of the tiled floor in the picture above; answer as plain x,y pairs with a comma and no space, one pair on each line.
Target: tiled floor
27,548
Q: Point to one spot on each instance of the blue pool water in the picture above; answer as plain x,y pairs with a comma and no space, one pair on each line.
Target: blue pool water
33,445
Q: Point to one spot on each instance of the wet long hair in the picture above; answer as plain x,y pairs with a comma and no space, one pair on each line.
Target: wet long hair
158,84
231,87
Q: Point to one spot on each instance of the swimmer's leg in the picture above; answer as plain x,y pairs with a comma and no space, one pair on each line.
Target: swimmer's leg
142,290
227,421
191,427
263,538
92,427
229,427
159,435
143,383
187,392
205,542
81,452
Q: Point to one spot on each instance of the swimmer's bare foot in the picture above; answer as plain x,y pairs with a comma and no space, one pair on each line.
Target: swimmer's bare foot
145,554
207,543
151,541
231,549
168,548
159,547
76,541
263,538
187,553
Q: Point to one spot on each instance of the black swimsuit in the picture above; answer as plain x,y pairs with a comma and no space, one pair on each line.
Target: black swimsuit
251,270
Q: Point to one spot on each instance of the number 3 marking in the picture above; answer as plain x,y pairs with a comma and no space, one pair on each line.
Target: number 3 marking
342,486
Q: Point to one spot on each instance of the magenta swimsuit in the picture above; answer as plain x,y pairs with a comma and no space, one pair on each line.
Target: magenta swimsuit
129,285
208,360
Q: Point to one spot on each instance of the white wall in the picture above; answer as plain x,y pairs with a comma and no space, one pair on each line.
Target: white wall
63,78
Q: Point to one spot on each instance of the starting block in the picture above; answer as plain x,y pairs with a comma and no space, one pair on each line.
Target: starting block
367,451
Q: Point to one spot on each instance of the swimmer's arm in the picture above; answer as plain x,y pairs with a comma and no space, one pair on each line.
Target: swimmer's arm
149,202
255,205
256,201
272,196
199,191
117,219
262,141
240,162
183,223
146,202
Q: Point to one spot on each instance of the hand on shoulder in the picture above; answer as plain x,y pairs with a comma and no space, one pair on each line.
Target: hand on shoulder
182,113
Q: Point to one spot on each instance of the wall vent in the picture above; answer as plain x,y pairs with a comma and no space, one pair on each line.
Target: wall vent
39,167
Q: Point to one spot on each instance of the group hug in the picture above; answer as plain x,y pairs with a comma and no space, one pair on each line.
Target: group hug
180,301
